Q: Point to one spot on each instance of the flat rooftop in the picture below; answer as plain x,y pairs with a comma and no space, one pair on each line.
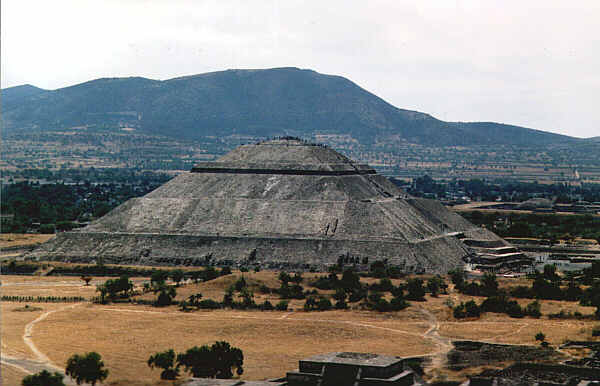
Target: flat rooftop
353,358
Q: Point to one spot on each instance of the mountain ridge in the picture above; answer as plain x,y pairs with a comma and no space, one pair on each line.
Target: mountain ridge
257,102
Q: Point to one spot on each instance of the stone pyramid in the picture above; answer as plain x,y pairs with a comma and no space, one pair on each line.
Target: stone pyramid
278,204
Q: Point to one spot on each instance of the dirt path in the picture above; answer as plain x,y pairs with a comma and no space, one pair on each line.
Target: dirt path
439,358
41,361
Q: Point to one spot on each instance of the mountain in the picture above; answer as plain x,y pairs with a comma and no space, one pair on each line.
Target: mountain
248,102
18,93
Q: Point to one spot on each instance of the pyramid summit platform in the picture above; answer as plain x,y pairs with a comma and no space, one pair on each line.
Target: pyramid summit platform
278,204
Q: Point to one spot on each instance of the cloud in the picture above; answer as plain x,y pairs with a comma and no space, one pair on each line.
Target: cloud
532,64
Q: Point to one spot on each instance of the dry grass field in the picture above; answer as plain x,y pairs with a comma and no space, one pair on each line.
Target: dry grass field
8,240
10,375
273,342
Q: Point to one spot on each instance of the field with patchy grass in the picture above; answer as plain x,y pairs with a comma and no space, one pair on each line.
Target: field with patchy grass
8,240
272,341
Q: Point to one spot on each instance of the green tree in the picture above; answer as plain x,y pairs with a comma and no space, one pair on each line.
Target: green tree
281,306
43,378
216,361
227,358
158,277
164,360
457,276
177,276
415,289
489,284
433,286
166,294
87,368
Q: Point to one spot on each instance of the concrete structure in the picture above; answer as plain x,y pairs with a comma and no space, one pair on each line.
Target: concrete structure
356,369
336,369
278,204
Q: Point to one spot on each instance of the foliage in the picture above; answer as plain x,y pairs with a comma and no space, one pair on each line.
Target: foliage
43,378
113,288
88,368
177,275
415,289
59,206
216,361
436,284
469,309
164,360
317,304
165,297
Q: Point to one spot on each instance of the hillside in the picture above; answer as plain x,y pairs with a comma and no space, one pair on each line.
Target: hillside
248,102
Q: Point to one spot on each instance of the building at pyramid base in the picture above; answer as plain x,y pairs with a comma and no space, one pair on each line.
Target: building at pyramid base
277,204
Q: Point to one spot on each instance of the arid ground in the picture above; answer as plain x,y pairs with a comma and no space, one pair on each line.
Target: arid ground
46,334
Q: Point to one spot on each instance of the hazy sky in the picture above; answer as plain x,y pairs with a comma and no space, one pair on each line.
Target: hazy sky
529,63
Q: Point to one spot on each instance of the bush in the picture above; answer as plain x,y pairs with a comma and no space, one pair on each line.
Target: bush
282,306
472,309
398,304
209,304
47,228
240,284
324,304
225,271
459,311
494,304
384,285
321,304
596,331
43,378
341,305
457,276
267,306
534,309
415,289
469,309
514,310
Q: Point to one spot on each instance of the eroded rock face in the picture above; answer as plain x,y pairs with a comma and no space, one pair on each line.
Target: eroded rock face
277,203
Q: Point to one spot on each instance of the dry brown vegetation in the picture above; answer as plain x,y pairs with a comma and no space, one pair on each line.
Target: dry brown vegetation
8,240
272,342
11,375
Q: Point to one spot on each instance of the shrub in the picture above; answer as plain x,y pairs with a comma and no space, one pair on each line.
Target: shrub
533,309
209,304
267,306
225,271
324,304
415,289
472,309
459,311
281,306
514,310
494,304
164,360
43,378
47,228
341,305
398,304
